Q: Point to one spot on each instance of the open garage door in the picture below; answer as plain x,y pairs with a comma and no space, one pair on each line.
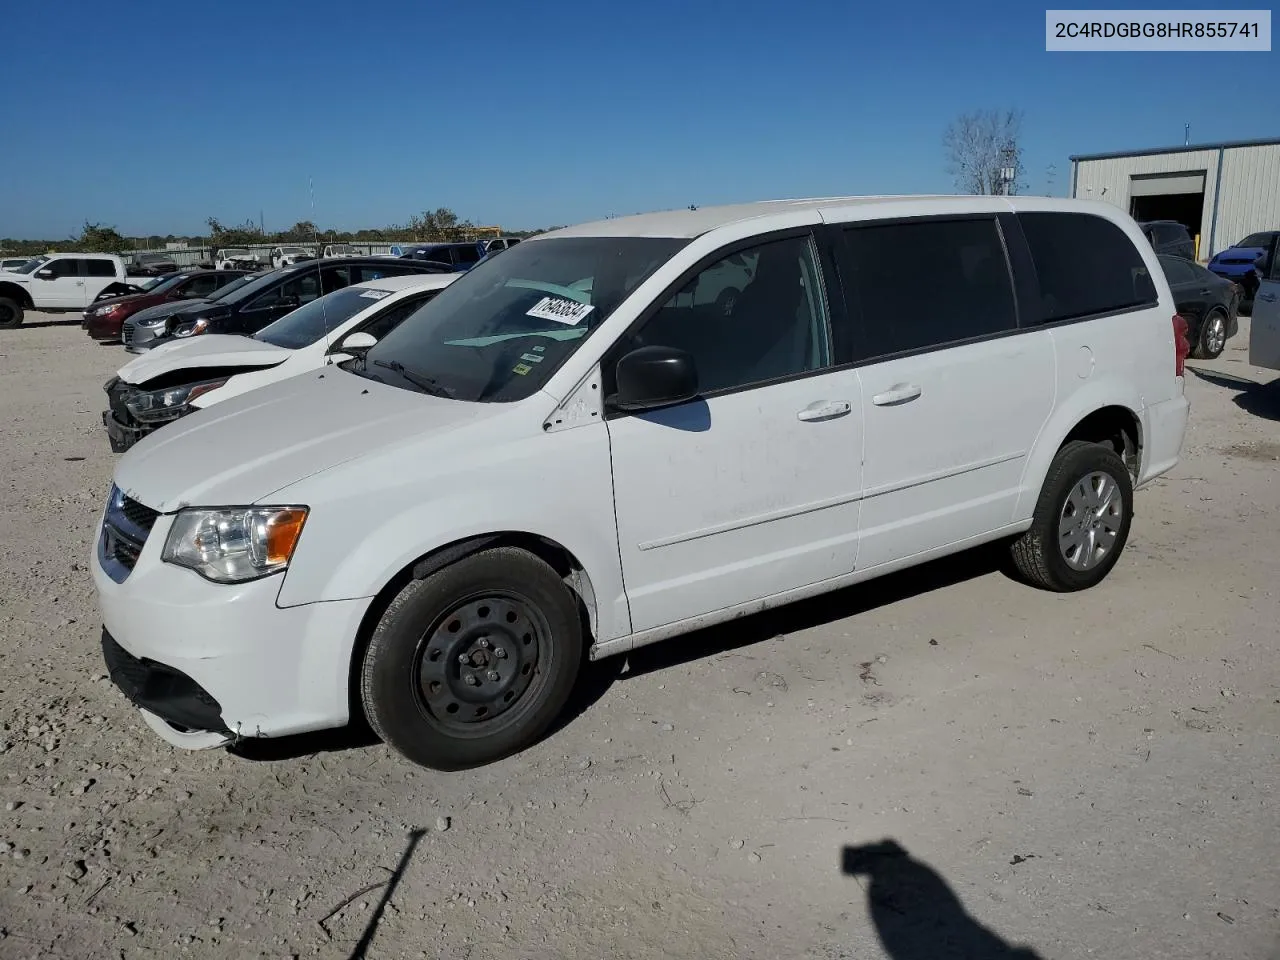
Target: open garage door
1171,196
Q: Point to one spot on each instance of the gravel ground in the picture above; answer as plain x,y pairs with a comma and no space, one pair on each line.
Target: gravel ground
940,763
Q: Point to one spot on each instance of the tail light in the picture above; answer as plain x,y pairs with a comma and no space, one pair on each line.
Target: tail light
1181,344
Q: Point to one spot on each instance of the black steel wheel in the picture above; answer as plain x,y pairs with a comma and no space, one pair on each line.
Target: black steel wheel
474,662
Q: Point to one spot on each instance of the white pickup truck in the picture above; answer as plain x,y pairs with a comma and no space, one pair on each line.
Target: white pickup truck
59,282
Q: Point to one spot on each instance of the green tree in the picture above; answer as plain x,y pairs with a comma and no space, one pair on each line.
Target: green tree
95,238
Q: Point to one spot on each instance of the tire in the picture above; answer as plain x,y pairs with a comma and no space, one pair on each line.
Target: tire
1212,339
1041,556
11,314
412,677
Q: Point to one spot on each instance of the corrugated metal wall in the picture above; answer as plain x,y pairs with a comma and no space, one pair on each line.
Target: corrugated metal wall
1248,199
1250,195
1109,179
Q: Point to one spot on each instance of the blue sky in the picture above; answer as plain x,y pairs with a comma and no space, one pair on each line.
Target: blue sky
154,116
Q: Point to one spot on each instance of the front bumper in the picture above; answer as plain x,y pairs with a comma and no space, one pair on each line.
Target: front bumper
122,436
138,338
268,671
103,328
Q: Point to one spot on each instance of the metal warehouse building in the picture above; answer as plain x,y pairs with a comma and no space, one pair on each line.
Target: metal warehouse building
1219,191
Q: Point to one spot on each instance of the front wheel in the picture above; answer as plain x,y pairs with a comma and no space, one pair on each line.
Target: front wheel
1081,521
1213,337
475,662
11,314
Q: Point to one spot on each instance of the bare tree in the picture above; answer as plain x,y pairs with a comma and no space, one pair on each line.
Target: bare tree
980,145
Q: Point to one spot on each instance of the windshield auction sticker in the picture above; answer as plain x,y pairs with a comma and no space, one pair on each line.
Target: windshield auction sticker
569,312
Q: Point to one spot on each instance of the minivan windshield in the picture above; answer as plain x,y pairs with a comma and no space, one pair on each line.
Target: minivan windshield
500,331
313,320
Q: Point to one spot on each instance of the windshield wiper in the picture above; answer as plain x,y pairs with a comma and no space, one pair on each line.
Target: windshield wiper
427,385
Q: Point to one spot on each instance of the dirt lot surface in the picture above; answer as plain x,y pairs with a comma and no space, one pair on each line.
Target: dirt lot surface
941,763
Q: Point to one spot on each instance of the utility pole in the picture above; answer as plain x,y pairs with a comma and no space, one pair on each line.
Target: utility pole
1008,168
1186,134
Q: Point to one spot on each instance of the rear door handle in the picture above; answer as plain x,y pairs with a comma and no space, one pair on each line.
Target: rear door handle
898,393
824,410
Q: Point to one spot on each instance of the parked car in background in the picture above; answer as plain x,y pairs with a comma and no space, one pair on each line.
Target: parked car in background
334,250
59,282
570,454
1247,262
150,323
456,256
13,263
1264,330
105,317
498,243
152,264
288,256
236,258
1208,302
1169,237
187,375
262,300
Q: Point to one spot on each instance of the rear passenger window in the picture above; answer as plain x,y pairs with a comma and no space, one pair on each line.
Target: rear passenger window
929,282
1086,265
100,268
466,254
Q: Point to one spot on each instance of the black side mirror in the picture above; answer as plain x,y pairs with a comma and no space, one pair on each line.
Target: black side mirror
652,377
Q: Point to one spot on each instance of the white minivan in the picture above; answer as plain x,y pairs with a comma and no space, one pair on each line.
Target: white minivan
615,433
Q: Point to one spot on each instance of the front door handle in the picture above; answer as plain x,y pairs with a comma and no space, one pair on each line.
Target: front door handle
824,410
898,393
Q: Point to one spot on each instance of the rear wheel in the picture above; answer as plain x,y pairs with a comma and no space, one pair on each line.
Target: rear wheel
1213,337
475,662
11,313
1081,521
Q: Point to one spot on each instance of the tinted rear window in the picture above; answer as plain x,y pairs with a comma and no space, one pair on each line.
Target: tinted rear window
1086,265
929,283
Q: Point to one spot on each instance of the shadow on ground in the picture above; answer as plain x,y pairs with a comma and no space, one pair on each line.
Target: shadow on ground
1258,399
916,914
72,320
596,678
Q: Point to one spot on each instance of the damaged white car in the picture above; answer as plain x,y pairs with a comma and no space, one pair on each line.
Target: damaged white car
179,377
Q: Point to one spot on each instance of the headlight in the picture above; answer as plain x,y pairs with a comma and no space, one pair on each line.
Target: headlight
234,544
191,330
107,308
170,403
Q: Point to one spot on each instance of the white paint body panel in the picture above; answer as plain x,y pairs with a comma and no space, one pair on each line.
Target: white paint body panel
1264,329
679,518
951,462
726,500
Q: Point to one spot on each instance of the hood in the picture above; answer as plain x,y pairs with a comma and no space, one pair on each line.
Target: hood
169,308
209,350
131,301
1242,254
244,449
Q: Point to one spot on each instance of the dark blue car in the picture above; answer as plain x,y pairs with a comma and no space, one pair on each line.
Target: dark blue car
460,256
1247,262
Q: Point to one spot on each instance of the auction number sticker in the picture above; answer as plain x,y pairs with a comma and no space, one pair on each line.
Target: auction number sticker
569,312
375,294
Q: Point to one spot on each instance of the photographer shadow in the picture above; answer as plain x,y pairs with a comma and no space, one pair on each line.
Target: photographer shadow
916,914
